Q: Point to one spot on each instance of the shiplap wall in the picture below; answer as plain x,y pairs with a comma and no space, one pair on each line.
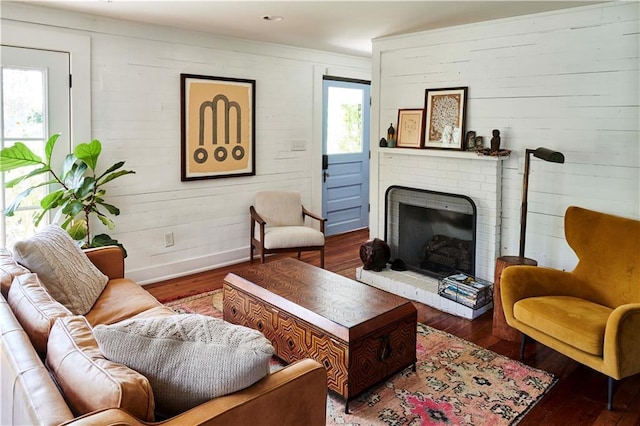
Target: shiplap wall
135,78
566,80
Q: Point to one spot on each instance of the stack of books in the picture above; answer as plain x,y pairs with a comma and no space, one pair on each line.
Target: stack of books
466,289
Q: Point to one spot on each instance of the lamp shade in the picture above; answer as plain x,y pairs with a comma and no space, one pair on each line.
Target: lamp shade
547,154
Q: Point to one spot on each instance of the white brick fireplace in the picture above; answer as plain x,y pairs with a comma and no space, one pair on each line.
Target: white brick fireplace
454,172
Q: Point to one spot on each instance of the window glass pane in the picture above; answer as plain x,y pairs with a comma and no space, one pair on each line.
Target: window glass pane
344,120
20,226
23,116
23,103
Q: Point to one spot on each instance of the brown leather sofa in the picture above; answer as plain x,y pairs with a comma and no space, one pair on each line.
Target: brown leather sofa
295,395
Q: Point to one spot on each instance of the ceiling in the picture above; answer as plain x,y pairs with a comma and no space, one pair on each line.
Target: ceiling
336,26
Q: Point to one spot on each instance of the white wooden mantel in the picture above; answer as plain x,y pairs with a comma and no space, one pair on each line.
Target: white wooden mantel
451,153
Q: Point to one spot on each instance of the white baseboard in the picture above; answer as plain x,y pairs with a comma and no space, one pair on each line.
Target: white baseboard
167,271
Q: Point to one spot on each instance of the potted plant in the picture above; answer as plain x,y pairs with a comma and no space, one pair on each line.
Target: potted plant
78,192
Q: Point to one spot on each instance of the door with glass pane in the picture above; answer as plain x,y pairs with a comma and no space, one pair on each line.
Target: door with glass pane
34,97
345,174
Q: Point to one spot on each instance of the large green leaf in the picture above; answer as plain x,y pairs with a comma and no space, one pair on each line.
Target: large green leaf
89,153
48,149
103,240
64,224
16,156
76,175
112,176
112,168
111,208
106,221
72,208
10,210
78,230
32,173
51,200
67,166
86,188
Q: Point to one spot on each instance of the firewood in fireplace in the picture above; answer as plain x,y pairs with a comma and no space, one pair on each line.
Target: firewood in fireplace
444,253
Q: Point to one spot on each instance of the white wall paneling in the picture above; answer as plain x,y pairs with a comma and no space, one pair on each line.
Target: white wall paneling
566,80
135,112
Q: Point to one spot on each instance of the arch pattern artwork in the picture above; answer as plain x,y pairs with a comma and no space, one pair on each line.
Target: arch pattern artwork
218,120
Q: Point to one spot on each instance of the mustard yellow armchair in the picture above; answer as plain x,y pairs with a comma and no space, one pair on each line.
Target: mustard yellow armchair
591,314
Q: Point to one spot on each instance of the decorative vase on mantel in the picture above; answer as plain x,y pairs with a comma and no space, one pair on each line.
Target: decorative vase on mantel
391,136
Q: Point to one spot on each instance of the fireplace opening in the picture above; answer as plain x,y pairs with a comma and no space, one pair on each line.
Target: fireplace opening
432,232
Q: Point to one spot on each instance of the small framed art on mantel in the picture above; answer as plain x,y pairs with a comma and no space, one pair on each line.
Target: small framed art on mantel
217,123
445,111
410,128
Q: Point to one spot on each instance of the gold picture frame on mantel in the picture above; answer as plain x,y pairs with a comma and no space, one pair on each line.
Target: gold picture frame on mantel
410,128
445,111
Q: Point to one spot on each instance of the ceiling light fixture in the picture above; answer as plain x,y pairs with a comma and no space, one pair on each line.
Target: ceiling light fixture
272,18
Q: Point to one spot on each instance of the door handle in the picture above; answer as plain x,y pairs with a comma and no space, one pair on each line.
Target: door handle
325,175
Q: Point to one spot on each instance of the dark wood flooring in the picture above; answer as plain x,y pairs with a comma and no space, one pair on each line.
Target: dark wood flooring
579,397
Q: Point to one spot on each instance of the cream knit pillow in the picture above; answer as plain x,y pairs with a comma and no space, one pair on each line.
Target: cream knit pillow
188,358
66,272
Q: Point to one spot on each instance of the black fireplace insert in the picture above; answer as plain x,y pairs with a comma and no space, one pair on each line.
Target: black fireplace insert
434,233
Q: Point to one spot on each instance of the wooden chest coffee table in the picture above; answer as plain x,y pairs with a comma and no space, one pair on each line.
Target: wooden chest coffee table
362,335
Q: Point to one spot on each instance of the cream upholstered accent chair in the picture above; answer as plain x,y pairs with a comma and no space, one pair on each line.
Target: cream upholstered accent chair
278,225
591,314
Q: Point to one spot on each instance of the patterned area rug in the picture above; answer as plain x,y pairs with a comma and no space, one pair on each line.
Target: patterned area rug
456,382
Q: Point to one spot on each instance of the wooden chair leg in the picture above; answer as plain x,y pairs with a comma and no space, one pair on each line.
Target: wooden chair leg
299,254
261,254
611,384
523,344
251,253
322,257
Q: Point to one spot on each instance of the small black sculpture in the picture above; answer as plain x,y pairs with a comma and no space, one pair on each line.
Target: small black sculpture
398,265
375,255
495,141
383,143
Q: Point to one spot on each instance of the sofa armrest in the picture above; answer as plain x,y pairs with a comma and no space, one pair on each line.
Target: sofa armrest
622,334
29,395
109,260
522,281
295,395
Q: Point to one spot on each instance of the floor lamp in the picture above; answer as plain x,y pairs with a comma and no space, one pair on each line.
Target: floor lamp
546,155
500,327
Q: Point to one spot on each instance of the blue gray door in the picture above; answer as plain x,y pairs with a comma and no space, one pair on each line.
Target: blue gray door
345,147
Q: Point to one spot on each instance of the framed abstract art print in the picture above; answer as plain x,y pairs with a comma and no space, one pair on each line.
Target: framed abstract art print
217,127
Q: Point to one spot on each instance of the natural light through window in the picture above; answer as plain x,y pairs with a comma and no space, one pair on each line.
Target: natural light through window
23,119
344,120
